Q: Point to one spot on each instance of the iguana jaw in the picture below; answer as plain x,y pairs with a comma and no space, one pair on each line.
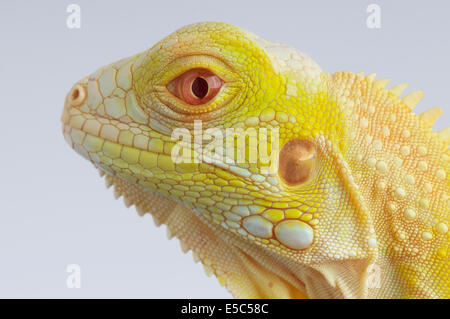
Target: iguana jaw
244,268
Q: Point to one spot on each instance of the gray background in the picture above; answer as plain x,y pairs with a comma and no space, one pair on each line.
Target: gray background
55,210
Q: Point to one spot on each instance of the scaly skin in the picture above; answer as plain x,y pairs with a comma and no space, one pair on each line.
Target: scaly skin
370,221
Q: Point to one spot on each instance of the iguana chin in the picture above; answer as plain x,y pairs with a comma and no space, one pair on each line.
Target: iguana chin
357,208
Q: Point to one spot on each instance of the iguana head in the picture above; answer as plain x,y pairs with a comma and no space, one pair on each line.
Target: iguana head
295,225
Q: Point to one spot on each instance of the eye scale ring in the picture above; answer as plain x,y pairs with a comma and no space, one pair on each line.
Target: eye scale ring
196,86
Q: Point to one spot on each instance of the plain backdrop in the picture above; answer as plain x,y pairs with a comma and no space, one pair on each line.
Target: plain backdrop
54,208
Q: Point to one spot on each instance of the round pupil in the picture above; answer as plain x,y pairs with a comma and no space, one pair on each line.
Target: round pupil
200,88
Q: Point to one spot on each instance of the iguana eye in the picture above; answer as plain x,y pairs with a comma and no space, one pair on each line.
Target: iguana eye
196,86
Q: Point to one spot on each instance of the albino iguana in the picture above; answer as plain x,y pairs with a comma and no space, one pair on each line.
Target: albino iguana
357,206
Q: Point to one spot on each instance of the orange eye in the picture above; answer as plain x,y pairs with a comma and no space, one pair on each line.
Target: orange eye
196,86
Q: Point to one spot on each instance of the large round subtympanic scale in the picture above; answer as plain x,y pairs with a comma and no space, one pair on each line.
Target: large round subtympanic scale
294,234
258,226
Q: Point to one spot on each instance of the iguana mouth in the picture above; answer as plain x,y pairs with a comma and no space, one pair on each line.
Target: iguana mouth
93,148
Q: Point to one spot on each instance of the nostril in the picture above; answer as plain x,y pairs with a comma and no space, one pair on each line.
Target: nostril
77,95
